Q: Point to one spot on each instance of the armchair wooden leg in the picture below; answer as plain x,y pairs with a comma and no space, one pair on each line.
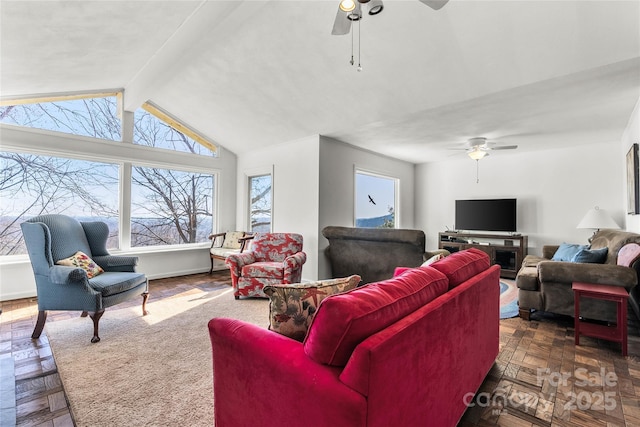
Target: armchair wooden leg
145,297
96,318
524,313
211,270
84,314
42,318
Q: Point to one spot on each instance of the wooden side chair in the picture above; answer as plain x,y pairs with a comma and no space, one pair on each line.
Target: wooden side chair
227,243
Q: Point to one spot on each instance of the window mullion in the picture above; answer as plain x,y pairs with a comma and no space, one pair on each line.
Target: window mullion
125,206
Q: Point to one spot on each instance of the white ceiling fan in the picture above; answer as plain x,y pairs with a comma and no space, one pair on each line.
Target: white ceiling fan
477,148
351,10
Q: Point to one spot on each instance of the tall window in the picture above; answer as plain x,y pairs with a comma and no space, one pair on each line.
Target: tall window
32,185
170,207
260,205
95,117
375,204
155,128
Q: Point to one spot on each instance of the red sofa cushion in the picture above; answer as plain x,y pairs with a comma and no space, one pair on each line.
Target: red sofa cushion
343,321
461,266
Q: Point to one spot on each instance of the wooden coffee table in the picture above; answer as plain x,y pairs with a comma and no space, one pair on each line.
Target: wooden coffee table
617,294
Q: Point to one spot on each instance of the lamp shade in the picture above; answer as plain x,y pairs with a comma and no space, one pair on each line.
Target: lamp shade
477,154
597,219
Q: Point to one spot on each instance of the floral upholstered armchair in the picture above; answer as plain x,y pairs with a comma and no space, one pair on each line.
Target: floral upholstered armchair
274,258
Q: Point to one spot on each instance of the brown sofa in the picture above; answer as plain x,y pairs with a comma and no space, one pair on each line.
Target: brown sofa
374,253
545,285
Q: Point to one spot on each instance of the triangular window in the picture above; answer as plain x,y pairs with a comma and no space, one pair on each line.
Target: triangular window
155,128
94,115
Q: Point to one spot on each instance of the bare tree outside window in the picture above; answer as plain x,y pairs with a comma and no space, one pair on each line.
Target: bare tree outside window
153,132
94,117
32,185
260,203
172,207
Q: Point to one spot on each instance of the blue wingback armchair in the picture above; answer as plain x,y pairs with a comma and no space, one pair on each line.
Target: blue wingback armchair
51,238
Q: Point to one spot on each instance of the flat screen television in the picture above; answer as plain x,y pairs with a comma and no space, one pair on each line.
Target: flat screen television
486,215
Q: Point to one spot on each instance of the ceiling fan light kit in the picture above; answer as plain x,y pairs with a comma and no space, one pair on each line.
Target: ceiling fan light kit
375,7
478,148
347,5
355,14
351,11
477,154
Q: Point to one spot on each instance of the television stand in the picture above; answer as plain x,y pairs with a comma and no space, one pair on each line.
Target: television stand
507,251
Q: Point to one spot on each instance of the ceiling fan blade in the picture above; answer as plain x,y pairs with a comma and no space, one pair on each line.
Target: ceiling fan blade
504,147
435,4
342,24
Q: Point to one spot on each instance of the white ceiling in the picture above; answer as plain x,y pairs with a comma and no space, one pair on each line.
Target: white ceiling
539,74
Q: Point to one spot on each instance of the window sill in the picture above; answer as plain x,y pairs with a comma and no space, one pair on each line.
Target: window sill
8,260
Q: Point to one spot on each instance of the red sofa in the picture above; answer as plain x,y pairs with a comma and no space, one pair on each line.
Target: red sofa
408,351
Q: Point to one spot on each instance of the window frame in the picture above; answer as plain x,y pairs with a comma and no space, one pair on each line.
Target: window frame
51,143
247,194
377,174
214,204
74,96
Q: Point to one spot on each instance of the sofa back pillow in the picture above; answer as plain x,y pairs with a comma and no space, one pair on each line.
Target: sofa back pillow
345,320
592,256
461,266
567,251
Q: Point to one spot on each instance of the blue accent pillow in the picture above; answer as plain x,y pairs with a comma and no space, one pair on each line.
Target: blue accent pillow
567,251
595,256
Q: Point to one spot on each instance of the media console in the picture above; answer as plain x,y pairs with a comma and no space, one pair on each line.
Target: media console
507,251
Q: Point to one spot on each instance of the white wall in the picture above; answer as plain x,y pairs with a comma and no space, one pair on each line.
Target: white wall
337,165
295,192
16,276
554,188
631,135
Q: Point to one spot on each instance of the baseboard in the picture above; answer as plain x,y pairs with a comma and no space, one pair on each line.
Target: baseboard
17,295
180,273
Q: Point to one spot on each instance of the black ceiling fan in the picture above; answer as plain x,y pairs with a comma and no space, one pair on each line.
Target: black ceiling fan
351,10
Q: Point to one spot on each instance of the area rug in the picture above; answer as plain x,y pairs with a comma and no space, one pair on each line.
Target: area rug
508,299
154,370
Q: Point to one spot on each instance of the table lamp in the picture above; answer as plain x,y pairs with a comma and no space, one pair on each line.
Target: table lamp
597,219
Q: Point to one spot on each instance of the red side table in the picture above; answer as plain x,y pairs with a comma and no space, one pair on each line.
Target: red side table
616,294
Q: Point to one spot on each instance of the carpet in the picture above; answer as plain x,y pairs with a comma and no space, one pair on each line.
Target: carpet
154,370
508,299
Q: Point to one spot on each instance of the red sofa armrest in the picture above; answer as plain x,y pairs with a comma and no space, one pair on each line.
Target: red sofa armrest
262,378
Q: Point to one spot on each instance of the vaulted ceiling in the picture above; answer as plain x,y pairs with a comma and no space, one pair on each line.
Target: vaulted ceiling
248,74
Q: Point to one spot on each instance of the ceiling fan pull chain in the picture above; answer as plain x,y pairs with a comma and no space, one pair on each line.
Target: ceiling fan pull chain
351,62
359,66
477,171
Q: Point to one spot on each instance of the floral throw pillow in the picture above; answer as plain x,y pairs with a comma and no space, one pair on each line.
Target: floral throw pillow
292,306
80,259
